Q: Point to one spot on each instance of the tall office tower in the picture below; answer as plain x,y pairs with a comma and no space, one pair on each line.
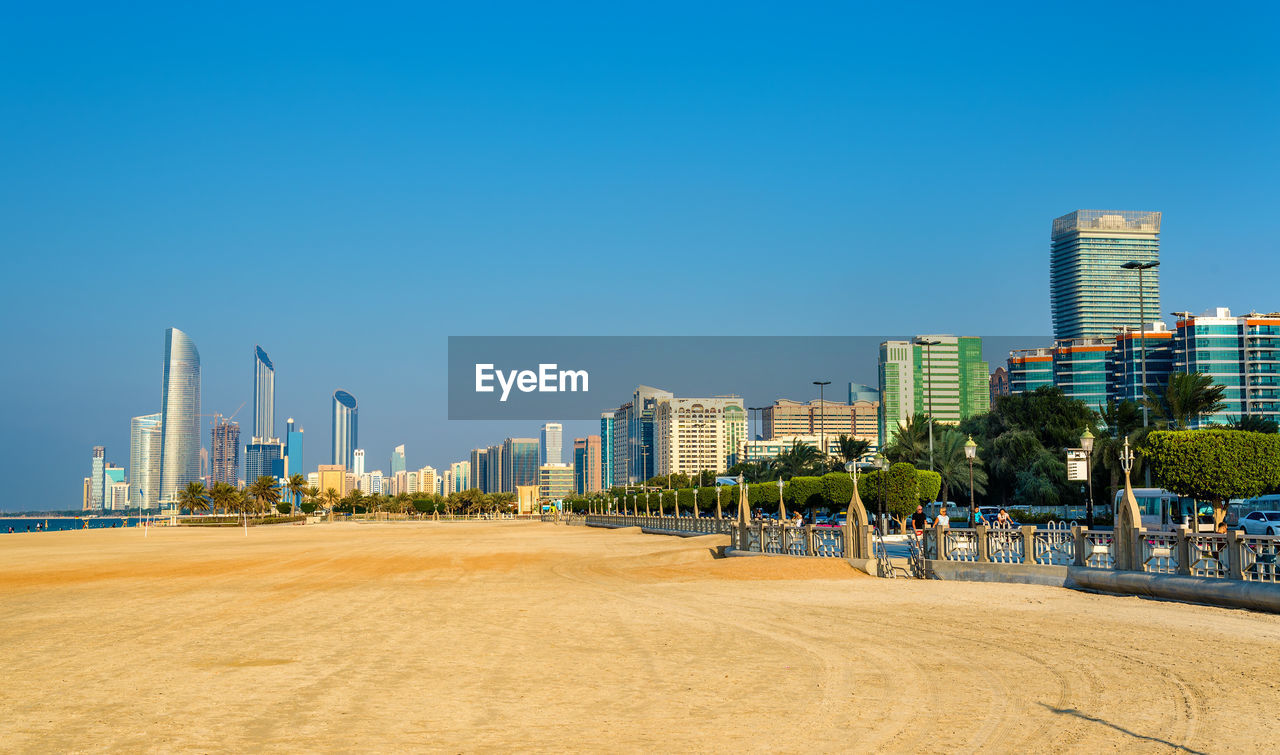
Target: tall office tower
939,375
446,482
1090,294
692,435
551,437
97,482
204,466
144,461
633,449
225,443
376,481
358,467
85,504
1124,364
519,463
461,476
606,450
1029,369
1080,369
179,415
345,435
493,475
397,460
480,469
293,450
263,457
555,481
587,466
264,395
829,419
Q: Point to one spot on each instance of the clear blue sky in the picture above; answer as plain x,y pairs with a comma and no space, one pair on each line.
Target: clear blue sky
348,185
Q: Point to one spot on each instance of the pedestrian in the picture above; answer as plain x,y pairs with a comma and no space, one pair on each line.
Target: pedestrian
919,520
942,520
1003,520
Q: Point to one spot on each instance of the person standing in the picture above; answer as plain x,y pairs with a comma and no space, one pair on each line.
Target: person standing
918,520
942,520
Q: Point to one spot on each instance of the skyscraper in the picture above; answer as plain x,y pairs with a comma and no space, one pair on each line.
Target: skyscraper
224,464
263,458
938,375
179,415
693,435
144,461
1090,295
606,450
586,464
552,443
397,460
461,476
633,452
519,463
293,449
345,436
358,467
97,482
264,395
480,469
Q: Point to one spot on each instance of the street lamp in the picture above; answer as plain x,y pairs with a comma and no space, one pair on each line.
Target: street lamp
1142,315
782,507
970,452
928,344
1086,444
822,418
695,496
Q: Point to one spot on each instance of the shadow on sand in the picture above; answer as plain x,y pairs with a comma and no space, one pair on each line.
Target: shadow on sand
1121,729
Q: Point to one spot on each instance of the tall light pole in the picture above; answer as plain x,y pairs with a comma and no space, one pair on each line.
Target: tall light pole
1086,445
822,417
928,344
1142,315
970,451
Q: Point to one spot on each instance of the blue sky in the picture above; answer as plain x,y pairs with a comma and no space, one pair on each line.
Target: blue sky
348,185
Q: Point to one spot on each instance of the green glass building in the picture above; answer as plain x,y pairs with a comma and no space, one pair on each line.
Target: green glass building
1090,295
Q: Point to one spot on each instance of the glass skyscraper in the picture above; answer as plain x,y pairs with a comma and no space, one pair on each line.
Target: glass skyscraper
344,429
144,461
293,449
97,496
179,415
552,438
1090,295
606,450
519,463
264,395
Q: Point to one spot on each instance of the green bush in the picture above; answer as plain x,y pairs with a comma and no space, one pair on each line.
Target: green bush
903,490
1214,465
284,508
307,507
804,493
930,485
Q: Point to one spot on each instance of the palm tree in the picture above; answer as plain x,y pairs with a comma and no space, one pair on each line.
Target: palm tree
851,449
297,485
265,492
329,498
950,461
193,497
911,443
405,501
797,460
1187,397
1252,423
222,495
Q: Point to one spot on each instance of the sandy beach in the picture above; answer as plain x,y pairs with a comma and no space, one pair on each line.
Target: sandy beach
530,636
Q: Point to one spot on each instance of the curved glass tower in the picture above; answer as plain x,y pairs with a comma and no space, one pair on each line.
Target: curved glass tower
179,414
344,429
264,395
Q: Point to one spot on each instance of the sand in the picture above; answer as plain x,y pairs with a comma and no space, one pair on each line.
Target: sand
531,636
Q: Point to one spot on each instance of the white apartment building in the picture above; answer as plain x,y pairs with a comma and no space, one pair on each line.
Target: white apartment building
695,434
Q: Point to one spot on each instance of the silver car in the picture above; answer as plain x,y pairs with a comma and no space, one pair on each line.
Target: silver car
1261,523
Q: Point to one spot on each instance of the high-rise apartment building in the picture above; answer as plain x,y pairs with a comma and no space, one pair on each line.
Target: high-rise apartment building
428,480
520,458
493,478
480,469
555,481
344,427
97,481
293,463
606,450
144,461
552,442
179,415
461,476
633,436
118,496
1090,294
587,466
1029,369
696,434
264,395
1242,354
224,462
787,418
263,457
357,467
939,375
397,460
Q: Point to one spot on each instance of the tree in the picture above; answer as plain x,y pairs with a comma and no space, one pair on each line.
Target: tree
404,500
928,484
902,492
950,462
330,499
193,498
284,507
296,485
910,444
222,496
1253,423
1214,465
265,492
1187,397
800,459
805,493
852,449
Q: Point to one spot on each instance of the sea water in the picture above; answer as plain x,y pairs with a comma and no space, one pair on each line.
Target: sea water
59,524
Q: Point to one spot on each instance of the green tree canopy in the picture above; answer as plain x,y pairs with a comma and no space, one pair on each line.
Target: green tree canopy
1214,465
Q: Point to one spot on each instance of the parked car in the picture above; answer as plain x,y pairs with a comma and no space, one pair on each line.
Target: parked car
1261,523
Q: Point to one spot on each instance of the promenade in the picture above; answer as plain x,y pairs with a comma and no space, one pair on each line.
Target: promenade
533,636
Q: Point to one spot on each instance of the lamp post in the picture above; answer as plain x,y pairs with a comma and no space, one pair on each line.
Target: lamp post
695,496
1086,444
1142,315
882,464
822,418
928,344
646,503
970,452
782,507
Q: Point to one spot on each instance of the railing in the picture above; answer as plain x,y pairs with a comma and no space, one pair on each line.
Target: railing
1099,549
1054,546
1208,555
702,525
1006,545
1258,558
1159,552
961,544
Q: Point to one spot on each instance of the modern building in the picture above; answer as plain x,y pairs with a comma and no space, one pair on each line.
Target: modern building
552,441
179,415
787,418
696,434
428,480
1081,367
461,476
144,461
97,482
519,463
1125,368
942,376
264,395
555,481
1029,369
1242,354
479,477
119,496
85,502
493,473
358,467
760,450
634,456
293,463
397,460
345,434
860,392
1091,296
606,450
224,462
587,466
999,384
263,458
332,476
